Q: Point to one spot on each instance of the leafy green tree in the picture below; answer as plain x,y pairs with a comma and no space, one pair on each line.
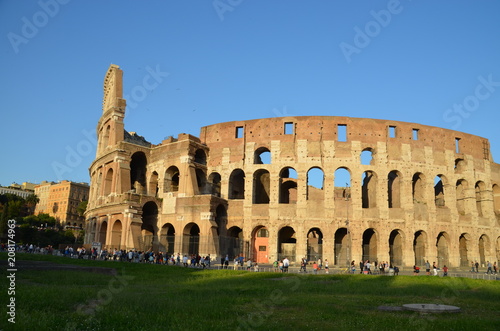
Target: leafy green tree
82,207
31,201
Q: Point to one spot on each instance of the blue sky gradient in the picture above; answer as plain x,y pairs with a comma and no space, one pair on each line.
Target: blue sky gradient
428,62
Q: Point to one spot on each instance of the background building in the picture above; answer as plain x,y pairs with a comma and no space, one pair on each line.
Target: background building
24,190
61,200
269,188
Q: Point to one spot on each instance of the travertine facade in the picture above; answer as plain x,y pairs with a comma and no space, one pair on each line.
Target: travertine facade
267,189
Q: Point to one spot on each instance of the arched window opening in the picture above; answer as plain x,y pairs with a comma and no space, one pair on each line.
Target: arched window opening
237,184
459,165
480,197
367,156
369,190
261,186
215,182
108,182
394,189
418,189
138,172
288,186
262,156
439,191
200,157
153,184
171,183
315,181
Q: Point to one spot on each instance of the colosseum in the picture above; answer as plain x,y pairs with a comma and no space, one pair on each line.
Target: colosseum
336,188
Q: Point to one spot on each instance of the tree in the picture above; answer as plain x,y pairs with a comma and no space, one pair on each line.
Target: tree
31,201
82,207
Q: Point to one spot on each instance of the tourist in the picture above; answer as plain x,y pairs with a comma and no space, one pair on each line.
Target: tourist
490,268
249,264
315,267
445,271
286,263
303,265
495,268
326,266
477,266
276,266
320,264
427,268
235,263
416,270
434,269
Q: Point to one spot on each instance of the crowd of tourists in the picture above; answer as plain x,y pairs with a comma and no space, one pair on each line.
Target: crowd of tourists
239,262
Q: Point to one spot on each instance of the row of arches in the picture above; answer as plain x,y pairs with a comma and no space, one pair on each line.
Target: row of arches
190,240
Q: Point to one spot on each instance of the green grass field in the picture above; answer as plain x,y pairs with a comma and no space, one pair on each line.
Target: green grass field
156,297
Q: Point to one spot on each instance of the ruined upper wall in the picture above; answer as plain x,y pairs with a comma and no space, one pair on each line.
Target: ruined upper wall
368,132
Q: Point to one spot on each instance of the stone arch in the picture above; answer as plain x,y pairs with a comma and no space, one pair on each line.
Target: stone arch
439,197
138,165
191,239
116,234
463,243
167,238
366,156
342,248
496,198
419,247
200,157
394,189
171,181
480,190
262,155
461,188
369,189
418,188
286,243
237,184
342,190
315,184
215,182
484,248
108,182
442,248
459,165
235,238
369,245
396,240
102,233
314,244
261,186
153,184
260,244
149,226
288,186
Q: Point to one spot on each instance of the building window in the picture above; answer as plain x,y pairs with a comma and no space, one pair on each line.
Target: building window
288,128
415,134
392,132
457,145
239,132
342,132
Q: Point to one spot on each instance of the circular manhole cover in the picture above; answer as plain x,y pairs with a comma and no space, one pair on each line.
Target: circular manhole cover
431,308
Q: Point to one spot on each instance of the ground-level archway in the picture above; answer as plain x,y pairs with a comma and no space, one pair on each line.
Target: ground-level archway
260,245
286,243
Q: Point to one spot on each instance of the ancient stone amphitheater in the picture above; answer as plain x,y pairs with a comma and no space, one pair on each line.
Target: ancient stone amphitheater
335,188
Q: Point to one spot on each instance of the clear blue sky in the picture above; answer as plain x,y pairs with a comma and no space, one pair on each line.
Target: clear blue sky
226,60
